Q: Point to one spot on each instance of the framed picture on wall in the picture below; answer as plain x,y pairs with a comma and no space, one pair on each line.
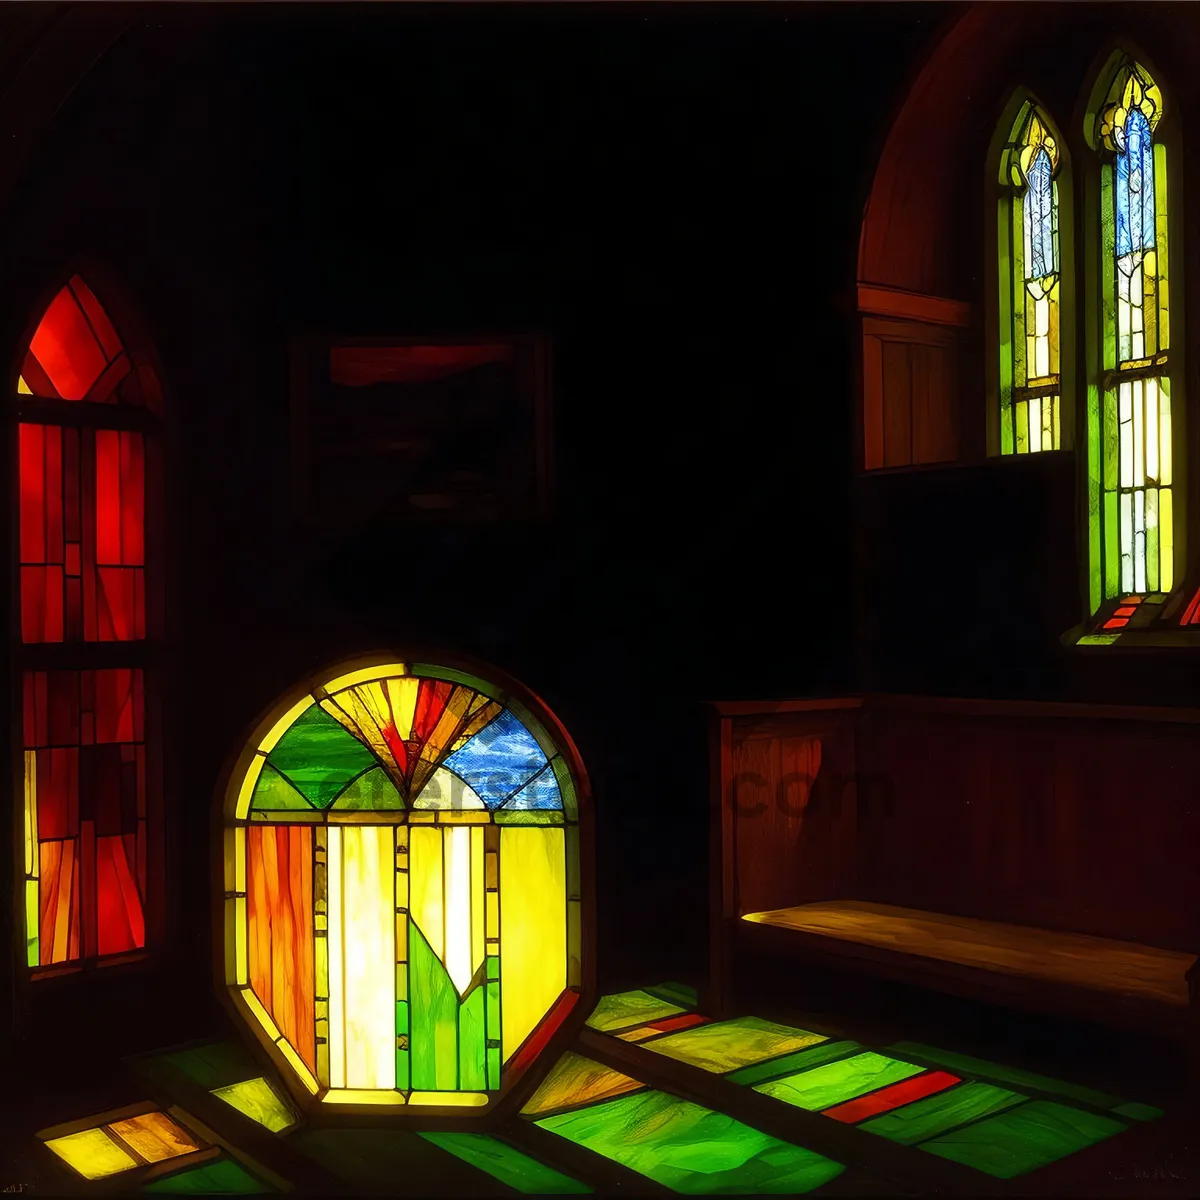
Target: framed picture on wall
421,429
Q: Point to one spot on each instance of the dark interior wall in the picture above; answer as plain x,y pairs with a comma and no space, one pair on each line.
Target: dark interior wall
970,573
673,195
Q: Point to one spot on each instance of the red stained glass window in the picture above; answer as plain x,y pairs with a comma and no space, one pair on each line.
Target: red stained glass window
91,797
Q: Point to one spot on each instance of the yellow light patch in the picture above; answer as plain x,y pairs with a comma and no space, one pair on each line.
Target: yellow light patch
258,1101
92,1153
22,386
533,901
155,1137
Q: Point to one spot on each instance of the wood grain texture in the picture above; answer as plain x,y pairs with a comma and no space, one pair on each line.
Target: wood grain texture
1122,968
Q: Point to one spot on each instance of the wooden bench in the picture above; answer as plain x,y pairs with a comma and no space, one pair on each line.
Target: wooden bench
1042,856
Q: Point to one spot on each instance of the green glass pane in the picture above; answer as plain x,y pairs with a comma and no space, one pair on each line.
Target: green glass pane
1138,1112
493,1067
433,1014
1023,1139
509,1165
835,1083
273,793
527,816
319,757
224,1177
692,1149
935,1114
214,1065
675,993
964,1064
371,790
257,1099
626,1009
727,1045
472,1061
789,1064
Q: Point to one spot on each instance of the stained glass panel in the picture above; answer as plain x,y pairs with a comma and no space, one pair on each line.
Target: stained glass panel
389,934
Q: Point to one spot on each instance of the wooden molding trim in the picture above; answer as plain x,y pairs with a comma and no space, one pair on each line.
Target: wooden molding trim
877,300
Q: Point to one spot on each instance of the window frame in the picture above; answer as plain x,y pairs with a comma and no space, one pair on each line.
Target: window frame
147,654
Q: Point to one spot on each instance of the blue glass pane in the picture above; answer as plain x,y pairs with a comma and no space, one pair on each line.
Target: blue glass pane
498,760
1135,187
540,792
1039,220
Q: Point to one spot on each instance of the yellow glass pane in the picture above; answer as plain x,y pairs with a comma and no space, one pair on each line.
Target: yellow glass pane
23,387
477,901
333,940
1152,409
425,887
92,1153
155,1137
369,956
31,851
1166,543
533,901
1164,433
362,1096
457,847
366,675
403,696
241,961
446,791
248,785
450,1099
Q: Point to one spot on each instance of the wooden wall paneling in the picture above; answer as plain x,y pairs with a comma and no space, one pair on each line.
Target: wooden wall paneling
897,405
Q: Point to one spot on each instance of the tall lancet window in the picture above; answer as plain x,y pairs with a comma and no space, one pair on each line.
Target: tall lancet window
1030,291
1133,521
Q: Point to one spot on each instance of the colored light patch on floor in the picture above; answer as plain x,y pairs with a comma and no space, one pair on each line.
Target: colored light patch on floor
727,1045
888,1098
692,1149
575,1080
508,1164
1023,1139
789,1064
644,1032
154,1137
927,1118
259,1101
92,1153
225,1177
627,1009
835,1083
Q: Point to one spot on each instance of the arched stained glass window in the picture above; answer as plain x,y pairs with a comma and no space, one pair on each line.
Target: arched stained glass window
1133,520
402,887
1030,288
88,426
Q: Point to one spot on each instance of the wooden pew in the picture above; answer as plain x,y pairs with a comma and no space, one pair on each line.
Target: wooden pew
1042,856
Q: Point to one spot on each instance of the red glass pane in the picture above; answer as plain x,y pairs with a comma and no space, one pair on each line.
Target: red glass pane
85,729
1191,615
82,550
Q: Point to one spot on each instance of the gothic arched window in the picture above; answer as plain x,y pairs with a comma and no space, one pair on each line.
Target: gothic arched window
1030,274
88,410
